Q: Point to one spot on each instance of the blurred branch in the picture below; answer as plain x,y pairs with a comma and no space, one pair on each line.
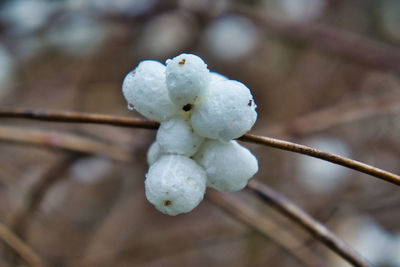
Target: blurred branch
34,197
318,230
68,141
38,191
27,253
61,116
328,118
263,225
343,43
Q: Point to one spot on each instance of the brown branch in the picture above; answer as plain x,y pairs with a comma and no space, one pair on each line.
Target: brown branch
78,117
318,230
346,44
27,253
63,140
346,162
146,124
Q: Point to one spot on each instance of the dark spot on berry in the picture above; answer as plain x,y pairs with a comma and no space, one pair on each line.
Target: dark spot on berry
182,62
250,102
187,107
167,203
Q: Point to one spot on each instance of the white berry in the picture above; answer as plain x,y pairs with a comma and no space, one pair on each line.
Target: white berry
192,104
215,77
177,136
187,79
229,166
175,184
145,89
226,113
153,153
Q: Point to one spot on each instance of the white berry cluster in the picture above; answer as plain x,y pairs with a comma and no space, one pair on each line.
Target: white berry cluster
201,112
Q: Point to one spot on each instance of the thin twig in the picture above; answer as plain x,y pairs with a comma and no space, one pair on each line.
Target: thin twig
264,225
26,252
62,116
78,117
343,43
346,162
289,209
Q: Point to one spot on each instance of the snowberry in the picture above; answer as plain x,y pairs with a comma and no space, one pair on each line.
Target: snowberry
215,77
145,89
228,165
177,136
192,103
175,184
393,257
226,113
153,153
187,80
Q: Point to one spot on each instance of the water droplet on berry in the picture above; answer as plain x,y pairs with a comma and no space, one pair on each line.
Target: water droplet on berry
131,107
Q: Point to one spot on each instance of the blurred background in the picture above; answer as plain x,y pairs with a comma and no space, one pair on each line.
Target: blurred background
324,73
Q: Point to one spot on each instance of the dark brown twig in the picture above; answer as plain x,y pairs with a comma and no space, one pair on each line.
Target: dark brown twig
78,117
319,231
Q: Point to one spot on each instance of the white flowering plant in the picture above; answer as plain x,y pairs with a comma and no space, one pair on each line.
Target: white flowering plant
200,113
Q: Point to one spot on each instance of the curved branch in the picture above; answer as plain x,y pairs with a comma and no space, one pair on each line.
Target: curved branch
316,153
78,117
319,231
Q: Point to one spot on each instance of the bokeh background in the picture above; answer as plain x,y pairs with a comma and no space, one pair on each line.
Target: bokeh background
323,73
